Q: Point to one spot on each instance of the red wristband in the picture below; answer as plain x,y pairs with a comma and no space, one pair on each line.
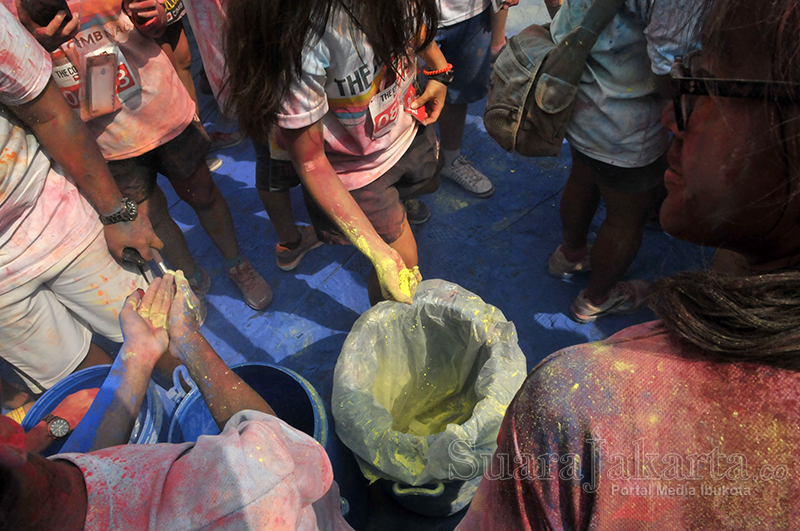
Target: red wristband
441,71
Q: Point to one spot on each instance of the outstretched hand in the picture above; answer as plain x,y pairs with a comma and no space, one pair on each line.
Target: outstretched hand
144,320
432,99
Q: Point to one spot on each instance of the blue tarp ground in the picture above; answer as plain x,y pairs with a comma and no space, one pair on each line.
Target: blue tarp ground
496,247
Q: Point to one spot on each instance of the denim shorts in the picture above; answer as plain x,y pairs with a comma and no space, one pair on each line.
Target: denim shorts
273,175
467,46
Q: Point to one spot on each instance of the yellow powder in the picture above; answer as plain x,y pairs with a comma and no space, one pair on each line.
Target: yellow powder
408,281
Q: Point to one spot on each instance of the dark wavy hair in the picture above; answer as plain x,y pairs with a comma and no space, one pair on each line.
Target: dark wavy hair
265,39
754,318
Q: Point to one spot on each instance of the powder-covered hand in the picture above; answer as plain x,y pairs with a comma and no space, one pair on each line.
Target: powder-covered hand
388,268
144,320
184,316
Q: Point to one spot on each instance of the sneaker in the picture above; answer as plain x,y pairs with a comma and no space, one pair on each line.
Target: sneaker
467,177
256,291
213,163
417,212
287,258
625,298
220,140
559,267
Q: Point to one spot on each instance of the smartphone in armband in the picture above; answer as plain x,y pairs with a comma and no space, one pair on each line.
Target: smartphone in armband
101,84
44,11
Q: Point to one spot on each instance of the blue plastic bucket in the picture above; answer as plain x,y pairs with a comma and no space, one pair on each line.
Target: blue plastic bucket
292,397
148,422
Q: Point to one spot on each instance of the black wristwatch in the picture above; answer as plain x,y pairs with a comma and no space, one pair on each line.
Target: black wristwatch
57,427
126,212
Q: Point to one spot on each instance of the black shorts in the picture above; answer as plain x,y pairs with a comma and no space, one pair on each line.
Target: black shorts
381,200
177,160
628,180
273,175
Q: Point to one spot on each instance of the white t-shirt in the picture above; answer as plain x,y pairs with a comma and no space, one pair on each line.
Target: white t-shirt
152,114
340,77
43,216
455,11
616,117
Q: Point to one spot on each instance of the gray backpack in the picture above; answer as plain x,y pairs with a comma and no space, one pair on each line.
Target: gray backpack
535,81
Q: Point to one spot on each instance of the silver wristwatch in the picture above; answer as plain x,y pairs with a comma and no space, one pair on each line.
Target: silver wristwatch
126,212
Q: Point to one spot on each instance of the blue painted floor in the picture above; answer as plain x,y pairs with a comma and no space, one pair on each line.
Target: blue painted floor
496,247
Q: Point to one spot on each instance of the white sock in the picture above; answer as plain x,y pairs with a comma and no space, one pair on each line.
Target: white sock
450,156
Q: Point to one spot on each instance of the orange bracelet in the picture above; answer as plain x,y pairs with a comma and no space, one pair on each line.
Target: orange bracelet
442,71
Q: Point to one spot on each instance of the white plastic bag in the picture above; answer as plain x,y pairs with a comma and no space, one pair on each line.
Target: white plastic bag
419,391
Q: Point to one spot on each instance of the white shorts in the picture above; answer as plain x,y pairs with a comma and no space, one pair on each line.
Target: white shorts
46,324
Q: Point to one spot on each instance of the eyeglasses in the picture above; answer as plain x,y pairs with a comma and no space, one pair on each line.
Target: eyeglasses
689,81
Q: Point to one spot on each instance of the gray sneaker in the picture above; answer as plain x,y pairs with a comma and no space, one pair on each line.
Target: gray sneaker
464,174
289,259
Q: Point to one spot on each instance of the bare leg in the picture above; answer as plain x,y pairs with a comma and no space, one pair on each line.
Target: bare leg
279,209
202,194
579,201
618,239
176,250
406,246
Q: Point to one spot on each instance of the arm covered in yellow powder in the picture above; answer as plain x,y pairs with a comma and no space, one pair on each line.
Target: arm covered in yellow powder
223,391
305,146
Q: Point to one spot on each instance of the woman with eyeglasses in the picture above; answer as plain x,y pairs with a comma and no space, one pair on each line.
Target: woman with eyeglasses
692,421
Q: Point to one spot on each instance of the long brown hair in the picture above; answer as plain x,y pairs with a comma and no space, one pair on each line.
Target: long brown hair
755,318
265,40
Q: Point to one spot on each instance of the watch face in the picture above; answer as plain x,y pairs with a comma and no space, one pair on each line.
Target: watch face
58,428
132,210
